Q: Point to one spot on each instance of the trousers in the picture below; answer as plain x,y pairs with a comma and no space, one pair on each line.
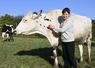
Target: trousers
69,54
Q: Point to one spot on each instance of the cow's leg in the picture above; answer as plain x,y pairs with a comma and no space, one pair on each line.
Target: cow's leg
55,58
89,49
11,37
3,36
7,37
81,52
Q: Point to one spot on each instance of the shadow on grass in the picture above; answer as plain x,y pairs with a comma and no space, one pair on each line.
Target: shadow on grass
93,44
44,53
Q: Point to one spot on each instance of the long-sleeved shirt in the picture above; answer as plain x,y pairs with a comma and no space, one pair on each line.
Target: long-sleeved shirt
67,30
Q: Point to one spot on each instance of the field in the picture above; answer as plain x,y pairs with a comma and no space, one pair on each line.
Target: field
26,52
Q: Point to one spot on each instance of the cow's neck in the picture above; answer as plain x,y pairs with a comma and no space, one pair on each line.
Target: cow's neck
43,30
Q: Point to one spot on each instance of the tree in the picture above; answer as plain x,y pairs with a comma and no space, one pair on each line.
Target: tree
6,19
93,29
10,20
17,20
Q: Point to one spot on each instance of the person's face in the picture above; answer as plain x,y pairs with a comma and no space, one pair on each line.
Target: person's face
66,15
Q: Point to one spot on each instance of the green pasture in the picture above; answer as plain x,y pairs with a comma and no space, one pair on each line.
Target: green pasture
29,52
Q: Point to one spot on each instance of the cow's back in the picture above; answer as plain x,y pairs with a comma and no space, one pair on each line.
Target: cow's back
82,24
82,27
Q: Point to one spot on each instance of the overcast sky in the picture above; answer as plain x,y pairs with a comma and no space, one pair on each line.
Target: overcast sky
21,7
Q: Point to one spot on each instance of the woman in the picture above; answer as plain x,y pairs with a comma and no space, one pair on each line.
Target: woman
67,38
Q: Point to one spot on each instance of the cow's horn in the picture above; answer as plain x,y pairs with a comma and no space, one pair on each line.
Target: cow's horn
38,14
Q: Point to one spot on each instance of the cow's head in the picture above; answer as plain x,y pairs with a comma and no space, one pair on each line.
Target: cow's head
32,23
26,24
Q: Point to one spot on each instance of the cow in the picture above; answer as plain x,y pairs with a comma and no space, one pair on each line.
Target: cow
38,23
7,32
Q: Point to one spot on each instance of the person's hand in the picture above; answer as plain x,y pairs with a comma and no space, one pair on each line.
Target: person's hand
51,27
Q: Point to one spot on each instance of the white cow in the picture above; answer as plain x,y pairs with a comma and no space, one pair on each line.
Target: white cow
38,22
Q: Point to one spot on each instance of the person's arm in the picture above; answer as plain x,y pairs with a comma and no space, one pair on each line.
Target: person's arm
64,28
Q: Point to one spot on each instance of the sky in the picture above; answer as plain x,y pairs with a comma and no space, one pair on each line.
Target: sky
21,7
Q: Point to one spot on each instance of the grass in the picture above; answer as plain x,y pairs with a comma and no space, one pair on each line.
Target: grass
26,52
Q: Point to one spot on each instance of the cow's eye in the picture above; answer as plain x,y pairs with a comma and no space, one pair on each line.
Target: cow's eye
47,19
24,20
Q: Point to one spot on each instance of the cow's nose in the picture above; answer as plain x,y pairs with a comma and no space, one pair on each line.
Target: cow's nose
15,31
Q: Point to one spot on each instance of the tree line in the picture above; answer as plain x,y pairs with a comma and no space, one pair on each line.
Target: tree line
13,20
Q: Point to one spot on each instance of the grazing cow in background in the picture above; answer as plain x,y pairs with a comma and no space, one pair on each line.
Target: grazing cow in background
38,22
7,32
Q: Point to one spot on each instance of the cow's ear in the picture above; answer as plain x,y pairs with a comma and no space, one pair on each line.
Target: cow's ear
35,13
40,12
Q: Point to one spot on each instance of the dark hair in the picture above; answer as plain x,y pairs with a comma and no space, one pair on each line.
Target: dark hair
66,10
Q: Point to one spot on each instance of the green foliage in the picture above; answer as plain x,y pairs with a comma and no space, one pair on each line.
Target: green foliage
93,29
10,19
6,19
17,20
